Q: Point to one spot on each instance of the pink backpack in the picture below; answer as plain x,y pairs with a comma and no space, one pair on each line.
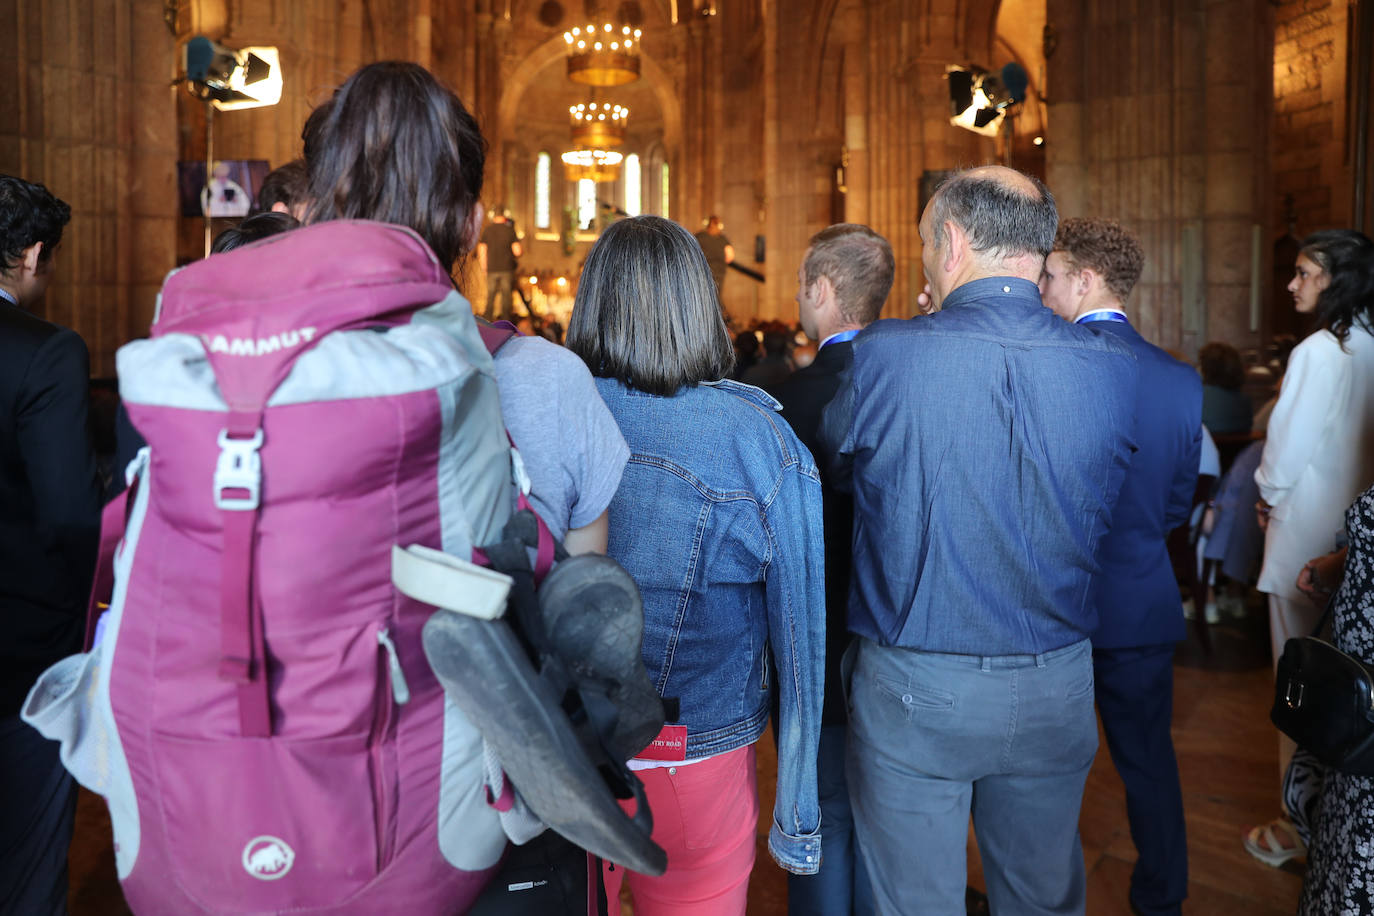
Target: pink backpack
258,711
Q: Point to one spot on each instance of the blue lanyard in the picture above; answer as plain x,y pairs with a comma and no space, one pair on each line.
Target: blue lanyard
6,297
1102,316
842,336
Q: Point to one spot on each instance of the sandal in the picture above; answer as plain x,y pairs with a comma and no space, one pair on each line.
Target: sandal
1264,843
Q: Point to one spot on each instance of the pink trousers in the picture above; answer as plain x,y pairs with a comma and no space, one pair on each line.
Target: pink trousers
706,818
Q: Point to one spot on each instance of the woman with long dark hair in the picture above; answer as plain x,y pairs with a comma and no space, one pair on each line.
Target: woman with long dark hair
718,518
1319,453
394,145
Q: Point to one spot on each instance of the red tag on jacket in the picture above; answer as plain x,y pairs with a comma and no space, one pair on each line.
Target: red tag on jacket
669,744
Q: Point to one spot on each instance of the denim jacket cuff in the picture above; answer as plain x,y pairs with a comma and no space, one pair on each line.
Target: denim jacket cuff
801,855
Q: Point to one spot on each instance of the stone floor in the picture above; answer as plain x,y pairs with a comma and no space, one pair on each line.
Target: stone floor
1226,750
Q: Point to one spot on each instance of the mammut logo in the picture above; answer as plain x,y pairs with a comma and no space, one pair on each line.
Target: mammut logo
249,346
267,858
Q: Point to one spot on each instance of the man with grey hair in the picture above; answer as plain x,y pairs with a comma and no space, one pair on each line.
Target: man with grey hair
842,283
985,445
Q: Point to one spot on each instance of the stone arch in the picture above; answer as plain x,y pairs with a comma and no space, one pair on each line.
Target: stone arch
553,49
978,32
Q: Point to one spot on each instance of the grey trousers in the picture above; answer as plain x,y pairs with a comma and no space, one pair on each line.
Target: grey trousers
935,738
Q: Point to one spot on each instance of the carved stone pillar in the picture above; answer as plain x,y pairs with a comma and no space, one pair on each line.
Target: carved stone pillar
1153,122
88,112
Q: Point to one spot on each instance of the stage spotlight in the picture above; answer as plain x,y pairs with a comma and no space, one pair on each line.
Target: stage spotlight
978,100
229,79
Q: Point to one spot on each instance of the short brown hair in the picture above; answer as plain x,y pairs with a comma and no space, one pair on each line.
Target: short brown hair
646,311
1105,247
287,184
858,263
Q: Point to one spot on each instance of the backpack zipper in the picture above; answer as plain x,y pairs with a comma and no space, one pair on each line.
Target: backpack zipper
400,690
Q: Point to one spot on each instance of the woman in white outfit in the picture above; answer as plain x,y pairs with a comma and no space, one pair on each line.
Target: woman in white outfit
1319,454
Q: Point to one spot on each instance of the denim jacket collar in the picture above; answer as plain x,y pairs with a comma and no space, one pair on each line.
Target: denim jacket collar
757,395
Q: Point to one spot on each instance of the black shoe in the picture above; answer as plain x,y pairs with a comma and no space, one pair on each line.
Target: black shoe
484,668
593,621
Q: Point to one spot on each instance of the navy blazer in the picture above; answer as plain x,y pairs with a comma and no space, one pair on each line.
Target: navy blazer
803,396
1137,596
49,499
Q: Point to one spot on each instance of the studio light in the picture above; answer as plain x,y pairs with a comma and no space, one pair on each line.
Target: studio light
979,100
229,79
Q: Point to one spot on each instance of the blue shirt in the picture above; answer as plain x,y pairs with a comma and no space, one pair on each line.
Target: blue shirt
985,445
718,519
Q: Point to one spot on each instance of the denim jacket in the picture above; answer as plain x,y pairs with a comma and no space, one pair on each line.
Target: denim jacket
718,518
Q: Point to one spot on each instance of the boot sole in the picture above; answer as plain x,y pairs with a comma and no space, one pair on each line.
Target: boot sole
594,617
483,667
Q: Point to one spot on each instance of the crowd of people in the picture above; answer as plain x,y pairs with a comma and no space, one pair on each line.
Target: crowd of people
930,551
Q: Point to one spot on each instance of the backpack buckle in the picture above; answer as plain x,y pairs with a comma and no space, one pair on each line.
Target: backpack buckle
239,468
1293,698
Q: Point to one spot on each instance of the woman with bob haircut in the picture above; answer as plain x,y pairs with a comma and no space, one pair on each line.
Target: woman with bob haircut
1319,455
718,519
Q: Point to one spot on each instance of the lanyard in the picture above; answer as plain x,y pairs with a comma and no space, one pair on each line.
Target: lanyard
842,336
1102,316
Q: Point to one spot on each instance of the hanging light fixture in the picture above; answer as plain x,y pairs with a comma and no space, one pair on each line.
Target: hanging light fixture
598,125
593,164
603,54
598,129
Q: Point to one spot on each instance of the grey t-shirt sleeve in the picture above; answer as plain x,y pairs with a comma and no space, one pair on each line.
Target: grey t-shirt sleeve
570,444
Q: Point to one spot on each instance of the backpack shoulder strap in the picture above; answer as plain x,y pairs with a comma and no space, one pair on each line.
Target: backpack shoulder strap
495,335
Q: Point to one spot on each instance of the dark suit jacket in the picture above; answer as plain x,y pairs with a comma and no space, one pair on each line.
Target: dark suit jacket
49,499
1137,596
803,395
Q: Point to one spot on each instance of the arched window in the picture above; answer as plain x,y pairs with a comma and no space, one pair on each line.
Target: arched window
663,190
633,187
541,191
586,204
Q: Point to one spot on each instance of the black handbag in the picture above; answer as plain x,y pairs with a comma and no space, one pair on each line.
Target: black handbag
1324,700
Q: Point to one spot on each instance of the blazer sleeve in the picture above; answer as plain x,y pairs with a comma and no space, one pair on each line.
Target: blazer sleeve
1315,378
56,448
835,434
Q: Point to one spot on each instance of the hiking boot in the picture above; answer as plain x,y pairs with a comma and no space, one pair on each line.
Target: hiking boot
483,667
594,621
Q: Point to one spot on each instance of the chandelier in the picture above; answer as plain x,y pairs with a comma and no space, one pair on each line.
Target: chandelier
603,55
598,125
592,164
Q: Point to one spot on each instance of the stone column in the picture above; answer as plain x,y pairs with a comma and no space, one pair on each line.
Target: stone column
1153,122
88,112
